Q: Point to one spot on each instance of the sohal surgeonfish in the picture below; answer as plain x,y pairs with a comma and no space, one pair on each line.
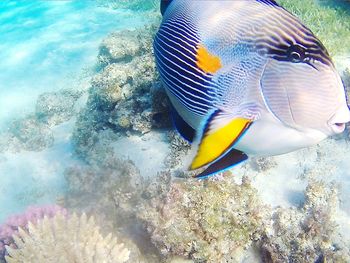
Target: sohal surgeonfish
246,77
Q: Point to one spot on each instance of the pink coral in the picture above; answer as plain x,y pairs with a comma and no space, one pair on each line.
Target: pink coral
32,214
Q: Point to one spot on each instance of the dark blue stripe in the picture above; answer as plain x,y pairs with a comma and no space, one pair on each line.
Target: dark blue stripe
175,53
181,29
176,78
180,48
268,2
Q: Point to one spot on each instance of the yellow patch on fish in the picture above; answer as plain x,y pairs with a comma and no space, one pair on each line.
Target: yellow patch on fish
207,62
215,143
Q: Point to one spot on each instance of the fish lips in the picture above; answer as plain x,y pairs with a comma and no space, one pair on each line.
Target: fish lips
338,121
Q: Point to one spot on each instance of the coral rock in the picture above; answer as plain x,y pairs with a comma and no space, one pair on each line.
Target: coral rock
54,108
211,221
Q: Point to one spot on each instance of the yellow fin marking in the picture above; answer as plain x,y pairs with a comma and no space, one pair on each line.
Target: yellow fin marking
206,61
214,144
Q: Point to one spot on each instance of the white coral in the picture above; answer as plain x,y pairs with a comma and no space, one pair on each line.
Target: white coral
66,240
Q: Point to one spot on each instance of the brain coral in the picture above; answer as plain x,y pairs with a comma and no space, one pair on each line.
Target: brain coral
65,240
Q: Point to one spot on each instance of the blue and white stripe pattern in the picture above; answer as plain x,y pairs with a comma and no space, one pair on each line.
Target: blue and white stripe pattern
175,48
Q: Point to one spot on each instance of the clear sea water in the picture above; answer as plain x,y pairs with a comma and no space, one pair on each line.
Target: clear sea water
45,46
50,45
46,43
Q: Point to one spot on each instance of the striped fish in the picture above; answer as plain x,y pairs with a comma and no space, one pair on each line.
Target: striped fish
246,78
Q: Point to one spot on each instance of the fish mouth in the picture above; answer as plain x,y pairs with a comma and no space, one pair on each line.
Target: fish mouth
338,127
339,120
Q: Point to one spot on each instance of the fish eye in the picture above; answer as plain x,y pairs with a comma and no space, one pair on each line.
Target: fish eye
295,56
296,53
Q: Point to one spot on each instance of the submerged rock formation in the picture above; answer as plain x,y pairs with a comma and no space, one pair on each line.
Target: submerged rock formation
308,234
125,95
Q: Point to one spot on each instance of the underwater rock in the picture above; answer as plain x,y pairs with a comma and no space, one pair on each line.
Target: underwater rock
122,47
12,225
110,188
125,95
118,182
33,132
54,108
179,147
66,239
135,5
207,221
27,133
262,164
309,233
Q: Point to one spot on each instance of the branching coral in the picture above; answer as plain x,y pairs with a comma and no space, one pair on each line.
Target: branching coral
13,223
65,240
111,188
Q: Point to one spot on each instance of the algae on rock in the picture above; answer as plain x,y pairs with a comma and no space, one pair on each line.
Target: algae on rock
207,221
125,95
110,189
308,234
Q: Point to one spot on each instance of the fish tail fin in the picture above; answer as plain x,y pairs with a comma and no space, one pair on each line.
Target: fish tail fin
164,5
220,133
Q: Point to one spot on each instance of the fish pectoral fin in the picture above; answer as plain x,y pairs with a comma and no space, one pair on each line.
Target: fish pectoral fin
220,134
230,159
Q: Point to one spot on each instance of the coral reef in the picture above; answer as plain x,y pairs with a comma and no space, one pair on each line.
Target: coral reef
119,185
54,108
262,164
207,221
12,225
308,234
135,5
125,95
111,188
66,239
28,134
179,147
161,218
33,132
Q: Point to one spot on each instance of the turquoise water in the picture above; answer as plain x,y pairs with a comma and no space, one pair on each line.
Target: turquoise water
112,159
44,44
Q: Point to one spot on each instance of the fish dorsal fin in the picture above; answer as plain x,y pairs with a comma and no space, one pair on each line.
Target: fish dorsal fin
220,133
230,159
185,130
164,5
268,2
